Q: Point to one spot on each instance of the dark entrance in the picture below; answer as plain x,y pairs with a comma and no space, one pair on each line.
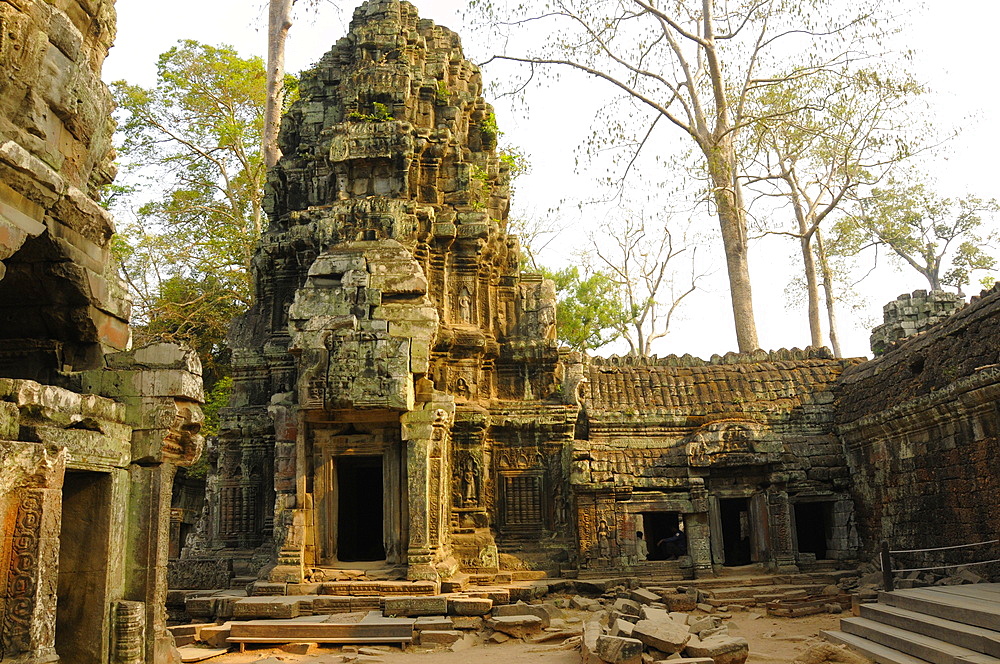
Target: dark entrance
664,538
735,517
359,511
84,543
810,527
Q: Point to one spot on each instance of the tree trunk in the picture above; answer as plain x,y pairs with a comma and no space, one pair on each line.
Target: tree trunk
279,21
721,161
831,313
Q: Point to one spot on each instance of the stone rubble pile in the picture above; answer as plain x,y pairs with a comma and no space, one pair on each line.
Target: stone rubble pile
911,314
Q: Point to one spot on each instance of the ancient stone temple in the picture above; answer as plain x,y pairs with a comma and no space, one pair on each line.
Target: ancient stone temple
400,398
91,432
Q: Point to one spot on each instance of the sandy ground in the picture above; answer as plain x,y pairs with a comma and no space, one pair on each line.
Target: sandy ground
772,640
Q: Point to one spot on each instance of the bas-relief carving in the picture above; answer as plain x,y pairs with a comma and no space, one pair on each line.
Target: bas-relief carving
726,444
22,574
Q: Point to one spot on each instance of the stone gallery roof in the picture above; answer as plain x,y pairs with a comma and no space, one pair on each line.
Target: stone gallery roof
733,384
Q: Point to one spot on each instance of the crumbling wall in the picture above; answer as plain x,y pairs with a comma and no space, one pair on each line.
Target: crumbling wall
61,302
920,427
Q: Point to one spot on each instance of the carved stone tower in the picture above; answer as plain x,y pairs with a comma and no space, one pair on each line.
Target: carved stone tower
382,370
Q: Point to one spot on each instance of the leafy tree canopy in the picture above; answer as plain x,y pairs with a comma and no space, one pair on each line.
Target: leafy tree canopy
589,312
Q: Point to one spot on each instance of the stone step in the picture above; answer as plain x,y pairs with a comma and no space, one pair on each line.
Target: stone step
373,628
935,602
921,646
968,636
873,651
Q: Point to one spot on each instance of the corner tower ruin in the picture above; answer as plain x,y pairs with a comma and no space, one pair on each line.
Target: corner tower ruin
397,375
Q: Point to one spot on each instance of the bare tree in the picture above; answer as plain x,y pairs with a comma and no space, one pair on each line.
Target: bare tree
695,64
641,258
834,134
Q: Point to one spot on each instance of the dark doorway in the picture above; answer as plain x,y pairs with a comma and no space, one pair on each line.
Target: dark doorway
735,518
359,511
664,537
810,527
84,542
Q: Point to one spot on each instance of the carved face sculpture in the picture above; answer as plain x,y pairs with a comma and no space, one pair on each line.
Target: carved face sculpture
183,440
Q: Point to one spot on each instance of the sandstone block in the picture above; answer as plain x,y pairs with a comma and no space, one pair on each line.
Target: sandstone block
626,606
517,626
301,648
654,613
622,628
665,635
680,601
473,623
440,636
592,631
434,605
643,596
722,649
469,606
433,622
619,650
522,609
267,607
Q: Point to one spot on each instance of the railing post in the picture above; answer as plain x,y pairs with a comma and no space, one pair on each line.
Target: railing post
887,569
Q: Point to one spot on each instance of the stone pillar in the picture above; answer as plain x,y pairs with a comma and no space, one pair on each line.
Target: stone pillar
31,477
426,433
698,530
780,528
130,632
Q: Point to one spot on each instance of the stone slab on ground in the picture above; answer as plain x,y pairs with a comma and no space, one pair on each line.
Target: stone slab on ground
469,606
215,635
433,622
196,654
371,629
412,606
665,635
267,607
542,611
474,623
300,647
592,630
643,596
622,628
440,636
619,649
517,626
722,649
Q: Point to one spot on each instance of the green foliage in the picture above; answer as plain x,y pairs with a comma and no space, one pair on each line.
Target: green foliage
938,237
441,94
589,312
190,210
490,132
380,113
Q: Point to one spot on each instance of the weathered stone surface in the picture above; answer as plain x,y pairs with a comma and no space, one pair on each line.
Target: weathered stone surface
622,627
442,637
543,611
517,626
619,650
665,635
469,606
722,649
415,606
643,596
267,607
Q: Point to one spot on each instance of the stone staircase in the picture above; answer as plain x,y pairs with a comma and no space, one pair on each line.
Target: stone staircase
939,625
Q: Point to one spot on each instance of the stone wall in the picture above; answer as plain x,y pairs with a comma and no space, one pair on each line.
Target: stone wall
911,314
920,425
90,433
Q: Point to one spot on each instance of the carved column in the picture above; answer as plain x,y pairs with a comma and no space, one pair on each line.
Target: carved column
698,530
779,519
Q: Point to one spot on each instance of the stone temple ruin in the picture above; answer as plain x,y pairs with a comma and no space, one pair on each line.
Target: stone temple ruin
400,397
402,409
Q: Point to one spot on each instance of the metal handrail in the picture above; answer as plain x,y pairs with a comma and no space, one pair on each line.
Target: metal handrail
885,561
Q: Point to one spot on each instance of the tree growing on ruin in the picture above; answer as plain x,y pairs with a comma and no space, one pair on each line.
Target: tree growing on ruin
190,148
939,238
694,65
820,143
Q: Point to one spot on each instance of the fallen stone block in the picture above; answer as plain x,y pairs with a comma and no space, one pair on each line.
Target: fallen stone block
643,596
592,630
626,606
433,605
469,606
582,603
215,635
300,648
521,609
619,650
517,626
665,635
722,649
697,625
498,595
680,601
433,622
473,623
622,628
440,636
653,613
200,607
267,607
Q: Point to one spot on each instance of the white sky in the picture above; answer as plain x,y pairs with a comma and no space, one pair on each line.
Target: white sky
954,58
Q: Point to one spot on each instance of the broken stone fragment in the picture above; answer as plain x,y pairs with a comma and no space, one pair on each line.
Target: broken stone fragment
469,606
619,650
517,626
722,649
665,635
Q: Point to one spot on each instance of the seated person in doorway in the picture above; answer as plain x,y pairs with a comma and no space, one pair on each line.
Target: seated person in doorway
670,548
641,552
